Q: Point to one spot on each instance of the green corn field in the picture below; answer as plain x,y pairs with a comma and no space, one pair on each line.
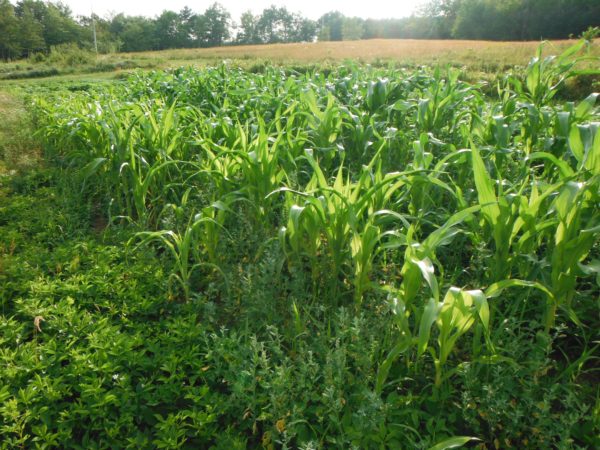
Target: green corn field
363,257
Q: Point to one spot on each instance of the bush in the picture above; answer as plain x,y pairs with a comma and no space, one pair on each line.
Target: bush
69,55
591,33
40,73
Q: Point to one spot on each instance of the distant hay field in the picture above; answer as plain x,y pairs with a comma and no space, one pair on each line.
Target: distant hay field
470,53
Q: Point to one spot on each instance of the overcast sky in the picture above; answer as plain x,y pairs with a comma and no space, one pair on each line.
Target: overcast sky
312,9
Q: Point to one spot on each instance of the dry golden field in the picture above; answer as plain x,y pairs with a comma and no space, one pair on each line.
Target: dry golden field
480,54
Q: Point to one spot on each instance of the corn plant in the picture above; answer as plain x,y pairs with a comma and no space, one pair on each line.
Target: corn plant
336,216
444,104
584,142
454,317
545,75
419,256
411,184
184,248
325,124
577,231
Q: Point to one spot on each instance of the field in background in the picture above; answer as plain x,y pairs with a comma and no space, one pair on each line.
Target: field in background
479,54
484,57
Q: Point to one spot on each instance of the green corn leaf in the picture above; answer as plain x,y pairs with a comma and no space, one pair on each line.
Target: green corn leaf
386,365
430,315
563,166
481,305
593,157
92,167
565,201
485,189
427,270
576,143
496,289
444,234
453,442
572,50
586,107
591,268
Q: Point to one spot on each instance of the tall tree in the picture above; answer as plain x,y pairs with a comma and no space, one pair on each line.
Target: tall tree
352,28
275,25
305,30
59,27
30,30
522,19
443,14
217,20
248,33
9,31
185,35
168,30
135,34
330,26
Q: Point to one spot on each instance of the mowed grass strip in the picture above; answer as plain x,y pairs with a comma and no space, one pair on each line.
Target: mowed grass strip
17,148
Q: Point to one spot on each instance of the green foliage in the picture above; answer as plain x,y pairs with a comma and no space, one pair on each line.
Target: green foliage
69,55
519,19
363,257
590,33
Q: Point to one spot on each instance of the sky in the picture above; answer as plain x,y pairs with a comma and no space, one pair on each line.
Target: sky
313,9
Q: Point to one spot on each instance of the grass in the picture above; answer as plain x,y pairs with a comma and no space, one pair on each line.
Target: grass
334,257
18,150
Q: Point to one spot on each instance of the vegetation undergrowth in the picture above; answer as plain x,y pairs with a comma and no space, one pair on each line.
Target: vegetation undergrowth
367,258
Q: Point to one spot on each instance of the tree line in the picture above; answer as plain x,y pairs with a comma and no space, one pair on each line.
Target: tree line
35,26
